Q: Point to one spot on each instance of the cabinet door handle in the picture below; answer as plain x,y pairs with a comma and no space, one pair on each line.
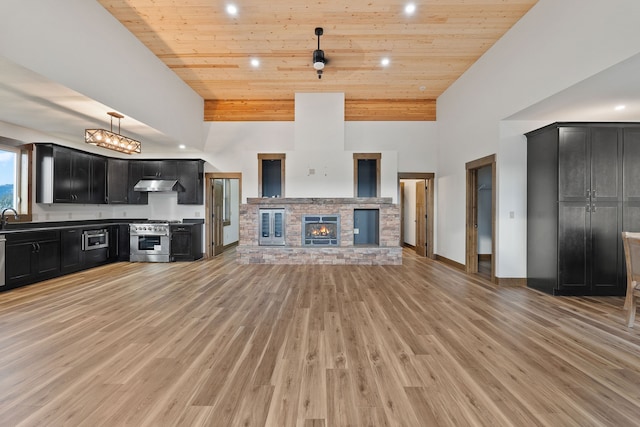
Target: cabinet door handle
588,194
593,208
588,206
593,194
33,248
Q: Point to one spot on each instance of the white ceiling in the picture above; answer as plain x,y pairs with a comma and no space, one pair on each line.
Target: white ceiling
593,99
32,101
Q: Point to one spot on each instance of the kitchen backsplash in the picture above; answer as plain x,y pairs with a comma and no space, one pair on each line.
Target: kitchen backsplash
161,206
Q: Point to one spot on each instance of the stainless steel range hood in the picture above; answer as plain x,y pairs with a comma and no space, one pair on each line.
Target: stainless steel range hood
149,185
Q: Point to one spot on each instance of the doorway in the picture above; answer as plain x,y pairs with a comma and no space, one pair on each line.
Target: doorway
222,208
416,212
480,217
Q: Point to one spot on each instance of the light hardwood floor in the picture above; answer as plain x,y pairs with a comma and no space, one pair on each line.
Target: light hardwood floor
221,344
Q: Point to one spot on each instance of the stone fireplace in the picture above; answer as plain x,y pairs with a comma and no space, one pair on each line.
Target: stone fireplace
321,230
328,225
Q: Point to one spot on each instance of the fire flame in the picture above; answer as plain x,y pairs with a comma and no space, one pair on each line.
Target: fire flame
321,231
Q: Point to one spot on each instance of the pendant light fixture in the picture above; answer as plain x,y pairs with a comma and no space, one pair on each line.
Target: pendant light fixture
111,140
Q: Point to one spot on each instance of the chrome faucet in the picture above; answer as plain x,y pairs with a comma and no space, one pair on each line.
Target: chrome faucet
3,219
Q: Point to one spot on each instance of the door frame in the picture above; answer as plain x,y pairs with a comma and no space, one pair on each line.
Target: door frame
471,240
429,177
208,206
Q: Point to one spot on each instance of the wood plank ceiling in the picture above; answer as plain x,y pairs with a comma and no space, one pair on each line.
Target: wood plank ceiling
212,50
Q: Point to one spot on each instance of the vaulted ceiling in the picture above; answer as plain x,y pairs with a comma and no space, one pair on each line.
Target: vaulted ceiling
211,50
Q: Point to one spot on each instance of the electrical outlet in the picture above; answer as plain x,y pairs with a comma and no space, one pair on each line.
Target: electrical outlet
512,214
197,214
124,214
70,215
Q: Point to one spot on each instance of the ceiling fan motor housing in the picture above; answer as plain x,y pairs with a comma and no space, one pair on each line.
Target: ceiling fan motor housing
318,59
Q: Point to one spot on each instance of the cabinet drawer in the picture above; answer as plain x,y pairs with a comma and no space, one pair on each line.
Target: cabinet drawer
32,236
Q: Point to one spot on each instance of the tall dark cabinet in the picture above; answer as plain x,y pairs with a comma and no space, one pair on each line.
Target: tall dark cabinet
579,182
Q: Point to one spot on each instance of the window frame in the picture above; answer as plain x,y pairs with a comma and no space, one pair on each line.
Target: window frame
271,156
366,156
22,179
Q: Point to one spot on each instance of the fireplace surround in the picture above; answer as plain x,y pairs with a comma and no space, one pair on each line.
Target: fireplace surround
385,250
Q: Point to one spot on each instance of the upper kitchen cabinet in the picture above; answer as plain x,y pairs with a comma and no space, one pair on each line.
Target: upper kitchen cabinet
136,173
191,178
118,181
66,175
159,169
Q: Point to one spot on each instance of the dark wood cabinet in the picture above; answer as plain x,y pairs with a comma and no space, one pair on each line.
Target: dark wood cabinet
575,210
136,173
190,175
159,169
117,181
66,175
71,250
186,242
32,256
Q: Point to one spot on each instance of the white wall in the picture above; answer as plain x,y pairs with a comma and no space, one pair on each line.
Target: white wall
555,45
405,147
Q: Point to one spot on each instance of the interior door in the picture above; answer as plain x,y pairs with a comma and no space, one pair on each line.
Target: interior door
217,239
421,217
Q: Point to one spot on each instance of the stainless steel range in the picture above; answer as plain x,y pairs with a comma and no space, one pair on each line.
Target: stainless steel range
149,241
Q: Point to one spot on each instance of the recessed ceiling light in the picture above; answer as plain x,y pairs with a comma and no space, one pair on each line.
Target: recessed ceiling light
385,62
182,146
422,88
232,9
620,107
410,8
255,62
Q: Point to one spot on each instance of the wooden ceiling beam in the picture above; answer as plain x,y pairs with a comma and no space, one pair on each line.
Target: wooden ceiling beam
256,110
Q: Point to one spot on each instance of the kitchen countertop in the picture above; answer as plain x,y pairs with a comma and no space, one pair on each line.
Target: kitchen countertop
21,227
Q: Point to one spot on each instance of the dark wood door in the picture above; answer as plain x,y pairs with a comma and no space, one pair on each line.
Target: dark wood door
19,262
136,173
48,259
117,181
631,160
606,152
190,177
71,250
81,177
605,253
62,175
181,245
573,247
573,164
98,181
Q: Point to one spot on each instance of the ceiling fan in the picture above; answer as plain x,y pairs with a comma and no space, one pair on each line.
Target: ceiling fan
319,61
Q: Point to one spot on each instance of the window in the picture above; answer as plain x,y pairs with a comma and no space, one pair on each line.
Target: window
10,181
366,174
271,175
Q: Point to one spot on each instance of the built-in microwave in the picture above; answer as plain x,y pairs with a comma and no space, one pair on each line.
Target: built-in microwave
95,239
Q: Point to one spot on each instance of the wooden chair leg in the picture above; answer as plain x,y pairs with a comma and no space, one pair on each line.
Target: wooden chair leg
631,313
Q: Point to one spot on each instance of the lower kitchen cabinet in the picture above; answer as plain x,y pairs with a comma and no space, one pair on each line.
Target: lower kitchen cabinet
186,242
71,250
31,257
